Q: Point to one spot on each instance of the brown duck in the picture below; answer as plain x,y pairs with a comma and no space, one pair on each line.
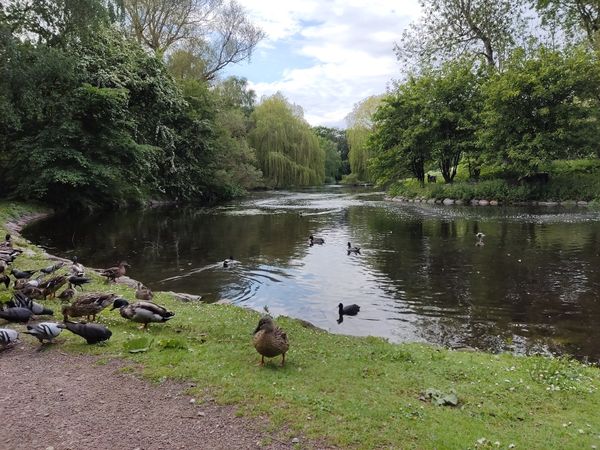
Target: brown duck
112,273
88,305
270,340
143,293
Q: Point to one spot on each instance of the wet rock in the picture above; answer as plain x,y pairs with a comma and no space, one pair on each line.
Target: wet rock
474,202
449,201
484,203
494,202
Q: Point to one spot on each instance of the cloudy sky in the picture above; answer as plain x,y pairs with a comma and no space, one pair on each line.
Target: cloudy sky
325,55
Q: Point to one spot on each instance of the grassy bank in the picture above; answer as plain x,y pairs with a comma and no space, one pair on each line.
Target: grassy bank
354,392
577,180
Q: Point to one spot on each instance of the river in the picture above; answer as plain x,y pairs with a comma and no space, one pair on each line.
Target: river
533,286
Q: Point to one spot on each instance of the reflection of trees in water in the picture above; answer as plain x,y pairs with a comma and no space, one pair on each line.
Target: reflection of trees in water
483,296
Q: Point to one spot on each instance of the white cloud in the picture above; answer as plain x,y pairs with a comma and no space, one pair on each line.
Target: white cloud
349,46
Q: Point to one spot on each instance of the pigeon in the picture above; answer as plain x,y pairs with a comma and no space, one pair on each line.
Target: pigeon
16,314
22,274
22,301
8,337
77,268
53,268
91,332
44,331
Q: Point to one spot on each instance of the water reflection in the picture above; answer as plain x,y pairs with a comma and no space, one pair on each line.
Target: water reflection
420,276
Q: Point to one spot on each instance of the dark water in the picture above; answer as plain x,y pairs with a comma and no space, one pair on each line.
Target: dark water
533,287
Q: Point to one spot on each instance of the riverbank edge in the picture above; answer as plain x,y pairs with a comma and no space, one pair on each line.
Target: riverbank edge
484,202
15,225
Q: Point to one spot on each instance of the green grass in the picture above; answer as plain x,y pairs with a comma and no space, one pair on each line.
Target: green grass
355,392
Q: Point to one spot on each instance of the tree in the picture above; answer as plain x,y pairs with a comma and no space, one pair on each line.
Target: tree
400,142
338,136
333,162
159,24
360,123
216,31
575,16
55,22
287,150
450,28
542,108
452,113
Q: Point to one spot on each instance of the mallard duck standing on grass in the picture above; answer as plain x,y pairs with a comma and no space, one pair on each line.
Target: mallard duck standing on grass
67,294
144,312
112,273
88,305
52,285
270,340
143,293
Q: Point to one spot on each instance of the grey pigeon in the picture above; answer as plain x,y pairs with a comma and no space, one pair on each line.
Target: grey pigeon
44,331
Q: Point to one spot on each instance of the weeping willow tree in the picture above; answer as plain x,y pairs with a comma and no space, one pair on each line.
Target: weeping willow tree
360,125
287,150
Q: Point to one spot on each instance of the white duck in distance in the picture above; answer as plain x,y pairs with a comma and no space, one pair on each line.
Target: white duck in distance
479,236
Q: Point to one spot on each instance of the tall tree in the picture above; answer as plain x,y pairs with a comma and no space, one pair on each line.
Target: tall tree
401,140
219,32
338,136
542,108
360,124
575,17
287,150
449,28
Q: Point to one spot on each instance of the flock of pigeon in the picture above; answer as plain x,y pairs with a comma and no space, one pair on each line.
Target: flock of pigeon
269,340
22,307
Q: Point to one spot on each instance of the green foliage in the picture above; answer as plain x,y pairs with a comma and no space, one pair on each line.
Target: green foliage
287,150
360,125
333,162
542,108
337,136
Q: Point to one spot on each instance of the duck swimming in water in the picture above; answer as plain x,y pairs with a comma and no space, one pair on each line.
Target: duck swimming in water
479,236
351,249
316,240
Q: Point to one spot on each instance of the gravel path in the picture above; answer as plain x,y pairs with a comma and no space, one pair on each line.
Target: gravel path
53,400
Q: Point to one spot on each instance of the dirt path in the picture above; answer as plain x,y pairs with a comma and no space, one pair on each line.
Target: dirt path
53,400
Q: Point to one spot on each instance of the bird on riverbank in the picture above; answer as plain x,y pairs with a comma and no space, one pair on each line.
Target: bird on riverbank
479,236
112,273
269,340
77,268
88,305
44,331
16,314
52,285
351,249
22,274
8,337
93,333
20,300
349,310
78,281
52,268
7,243
5,279
315,240
143,312
67,294
143,293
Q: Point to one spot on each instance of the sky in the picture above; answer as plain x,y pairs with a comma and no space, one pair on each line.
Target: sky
326,55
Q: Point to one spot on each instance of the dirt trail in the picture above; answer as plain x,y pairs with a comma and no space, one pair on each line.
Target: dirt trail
53,400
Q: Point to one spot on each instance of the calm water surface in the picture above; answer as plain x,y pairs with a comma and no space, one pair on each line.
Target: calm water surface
533,286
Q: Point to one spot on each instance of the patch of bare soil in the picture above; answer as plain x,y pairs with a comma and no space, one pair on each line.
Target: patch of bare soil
53,400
